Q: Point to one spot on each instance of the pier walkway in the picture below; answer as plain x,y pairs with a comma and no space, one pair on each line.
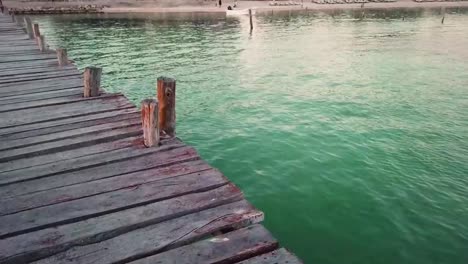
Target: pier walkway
77,184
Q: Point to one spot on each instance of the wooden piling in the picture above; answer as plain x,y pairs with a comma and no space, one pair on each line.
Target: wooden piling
250,18
28,26
62,57
149,120
166,90
41,42
92,81
36,31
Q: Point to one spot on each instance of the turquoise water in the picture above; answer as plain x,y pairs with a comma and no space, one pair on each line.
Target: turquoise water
349,131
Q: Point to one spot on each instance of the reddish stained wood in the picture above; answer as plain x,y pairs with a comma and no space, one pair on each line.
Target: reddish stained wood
149,119
92,81
166,90
62,57
36,31
41,42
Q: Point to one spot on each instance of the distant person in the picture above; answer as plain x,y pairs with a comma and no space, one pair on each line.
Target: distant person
220,3
229,8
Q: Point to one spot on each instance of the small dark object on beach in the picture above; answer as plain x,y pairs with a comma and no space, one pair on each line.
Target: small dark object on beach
229,8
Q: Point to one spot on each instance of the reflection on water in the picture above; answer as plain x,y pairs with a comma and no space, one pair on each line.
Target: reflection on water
348,129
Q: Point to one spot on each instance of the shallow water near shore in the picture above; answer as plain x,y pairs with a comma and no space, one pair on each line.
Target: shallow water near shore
349,130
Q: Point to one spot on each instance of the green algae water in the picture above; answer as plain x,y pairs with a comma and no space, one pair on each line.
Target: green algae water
349,130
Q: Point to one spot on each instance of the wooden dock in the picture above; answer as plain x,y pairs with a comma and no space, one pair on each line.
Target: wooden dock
78,185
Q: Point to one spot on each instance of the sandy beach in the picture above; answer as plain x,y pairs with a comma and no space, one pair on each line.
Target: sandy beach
187,6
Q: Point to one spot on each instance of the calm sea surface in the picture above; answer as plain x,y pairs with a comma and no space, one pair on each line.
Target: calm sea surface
349,130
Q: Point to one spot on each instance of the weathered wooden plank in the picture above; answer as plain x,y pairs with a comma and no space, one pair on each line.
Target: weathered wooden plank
45,102
227,248
37,76
37,129
18,166
28,64
25,142
280,256
42,85
88,207
39,96
89,188
37,70
40,103
84,107
162,237
92,167
27,57
69,143
46,242
74,123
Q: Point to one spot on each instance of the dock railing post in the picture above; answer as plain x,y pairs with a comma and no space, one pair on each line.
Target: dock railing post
92,81
62,56
41,42
166,90
250,18
149,120
28,26
36,31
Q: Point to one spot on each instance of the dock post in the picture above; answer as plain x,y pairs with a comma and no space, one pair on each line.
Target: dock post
41,42
28,26
62,57
92,81
250,18
36,31
166,90
149,120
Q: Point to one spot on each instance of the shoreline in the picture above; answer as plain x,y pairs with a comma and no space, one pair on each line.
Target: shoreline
258,6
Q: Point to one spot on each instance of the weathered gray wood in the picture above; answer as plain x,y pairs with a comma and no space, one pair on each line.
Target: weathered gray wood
36,31
37,70
228,248
69,143
62,56
92,167
166,89
73,109
28,26
107,184
280,256
43,103
92,81
53,240
40,160
37,76
41,42
26,142
161,237
58,125
29,58
67,124
39,96
149,119
81,209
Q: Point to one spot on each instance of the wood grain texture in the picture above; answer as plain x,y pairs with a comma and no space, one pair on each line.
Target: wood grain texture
228,248
280,256
161,237
166,90
50,241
